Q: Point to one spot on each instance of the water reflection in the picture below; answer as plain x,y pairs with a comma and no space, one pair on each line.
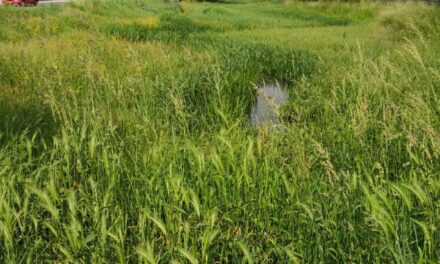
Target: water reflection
270,97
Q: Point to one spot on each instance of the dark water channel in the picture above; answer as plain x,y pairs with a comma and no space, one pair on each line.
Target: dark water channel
270,96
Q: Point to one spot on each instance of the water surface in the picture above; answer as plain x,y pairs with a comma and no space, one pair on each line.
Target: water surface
270,96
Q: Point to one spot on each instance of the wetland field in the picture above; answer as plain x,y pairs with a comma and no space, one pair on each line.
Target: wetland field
130,132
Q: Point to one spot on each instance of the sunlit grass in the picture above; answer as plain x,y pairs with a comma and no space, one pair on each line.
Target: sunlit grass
124,133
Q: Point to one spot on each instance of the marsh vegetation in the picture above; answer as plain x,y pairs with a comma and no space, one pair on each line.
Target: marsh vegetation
125,134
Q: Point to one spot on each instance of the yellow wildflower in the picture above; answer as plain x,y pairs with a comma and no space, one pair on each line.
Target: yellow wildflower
149,21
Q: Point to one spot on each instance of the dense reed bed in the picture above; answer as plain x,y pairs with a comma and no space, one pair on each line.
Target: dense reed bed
124,133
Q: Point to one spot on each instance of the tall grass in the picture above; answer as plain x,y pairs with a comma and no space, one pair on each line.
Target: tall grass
124,134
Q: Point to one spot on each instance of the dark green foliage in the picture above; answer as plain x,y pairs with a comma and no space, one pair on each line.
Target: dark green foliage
307,16
172,28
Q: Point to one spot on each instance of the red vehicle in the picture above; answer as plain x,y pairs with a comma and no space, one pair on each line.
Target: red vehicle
20,2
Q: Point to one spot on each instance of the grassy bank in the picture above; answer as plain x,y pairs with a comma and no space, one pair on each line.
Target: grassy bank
124,133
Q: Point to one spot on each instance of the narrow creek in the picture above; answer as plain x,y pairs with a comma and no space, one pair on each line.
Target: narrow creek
270,96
